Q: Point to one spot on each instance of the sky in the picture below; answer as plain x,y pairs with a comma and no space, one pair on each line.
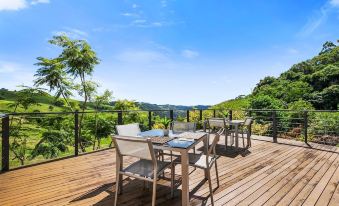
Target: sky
184,52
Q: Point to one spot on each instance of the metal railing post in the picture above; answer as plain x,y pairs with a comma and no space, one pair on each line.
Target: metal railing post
275,129
230,112
305,125
5,144
200,114
214,115
149,120
188,115
120,122
76,133
171,115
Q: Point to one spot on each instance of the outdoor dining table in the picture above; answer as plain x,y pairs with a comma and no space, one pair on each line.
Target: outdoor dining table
198,137
235,124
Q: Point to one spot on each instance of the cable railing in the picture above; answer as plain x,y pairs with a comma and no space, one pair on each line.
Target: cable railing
38,137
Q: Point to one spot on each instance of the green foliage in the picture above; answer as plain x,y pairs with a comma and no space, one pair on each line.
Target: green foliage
241,102
300,105
52,74
324,124
330,97
59,103
265,102
315,80
165,122
52,144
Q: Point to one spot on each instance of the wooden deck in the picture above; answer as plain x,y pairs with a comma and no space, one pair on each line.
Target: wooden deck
284,173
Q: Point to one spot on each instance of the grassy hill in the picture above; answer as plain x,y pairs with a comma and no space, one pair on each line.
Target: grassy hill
48,103
241,102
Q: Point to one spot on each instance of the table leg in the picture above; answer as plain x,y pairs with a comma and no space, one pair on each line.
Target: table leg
185,178
236,136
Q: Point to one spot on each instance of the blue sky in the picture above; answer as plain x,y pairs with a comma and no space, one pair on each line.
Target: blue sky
169,51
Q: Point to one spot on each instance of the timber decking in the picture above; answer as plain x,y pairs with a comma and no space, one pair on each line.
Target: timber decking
284,173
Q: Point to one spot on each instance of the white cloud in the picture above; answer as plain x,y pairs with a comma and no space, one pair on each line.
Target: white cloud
334,3
319,17
134,6
143,23
190,54
15,5
9,67
34,2
130,14
292,51
72,33
163,3
141,56
12,5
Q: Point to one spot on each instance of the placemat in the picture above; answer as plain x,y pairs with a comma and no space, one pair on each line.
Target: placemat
160,140
190,135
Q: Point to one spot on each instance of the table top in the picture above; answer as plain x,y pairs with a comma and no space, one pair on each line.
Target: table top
197,136
236,121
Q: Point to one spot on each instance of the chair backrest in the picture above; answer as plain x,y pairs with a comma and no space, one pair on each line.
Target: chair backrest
216,122
211,149
183,126
248,121
130,130
134,147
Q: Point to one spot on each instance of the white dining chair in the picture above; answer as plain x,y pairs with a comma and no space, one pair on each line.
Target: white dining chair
147,168
202,161
219,124
130,130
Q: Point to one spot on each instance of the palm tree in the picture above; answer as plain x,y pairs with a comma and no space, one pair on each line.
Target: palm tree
52,74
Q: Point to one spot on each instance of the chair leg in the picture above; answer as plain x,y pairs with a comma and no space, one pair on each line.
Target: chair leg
210,185
226,136
243,139
154,195
216,172
249,143
116,190
172,179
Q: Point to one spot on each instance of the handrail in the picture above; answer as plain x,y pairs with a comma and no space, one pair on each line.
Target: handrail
269,117
165,110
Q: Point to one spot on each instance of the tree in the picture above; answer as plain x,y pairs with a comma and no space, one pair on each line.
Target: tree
52,143
265,102
51,73
78,60
102,126
327,46
25,98
331,97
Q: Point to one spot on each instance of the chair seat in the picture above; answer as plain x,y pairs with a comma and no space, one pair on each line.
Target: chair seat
197,160
144,168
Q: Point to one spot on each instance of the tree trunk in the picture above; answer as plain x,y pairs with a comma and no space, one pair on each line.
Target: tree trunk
83,82
63,95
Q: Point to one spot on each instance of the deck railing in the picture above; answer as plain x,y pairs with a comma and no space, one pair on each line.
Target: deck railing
23,134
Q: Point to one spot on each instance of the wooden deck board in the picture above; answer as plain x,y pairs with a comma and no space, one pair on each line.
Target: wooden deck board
268,173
